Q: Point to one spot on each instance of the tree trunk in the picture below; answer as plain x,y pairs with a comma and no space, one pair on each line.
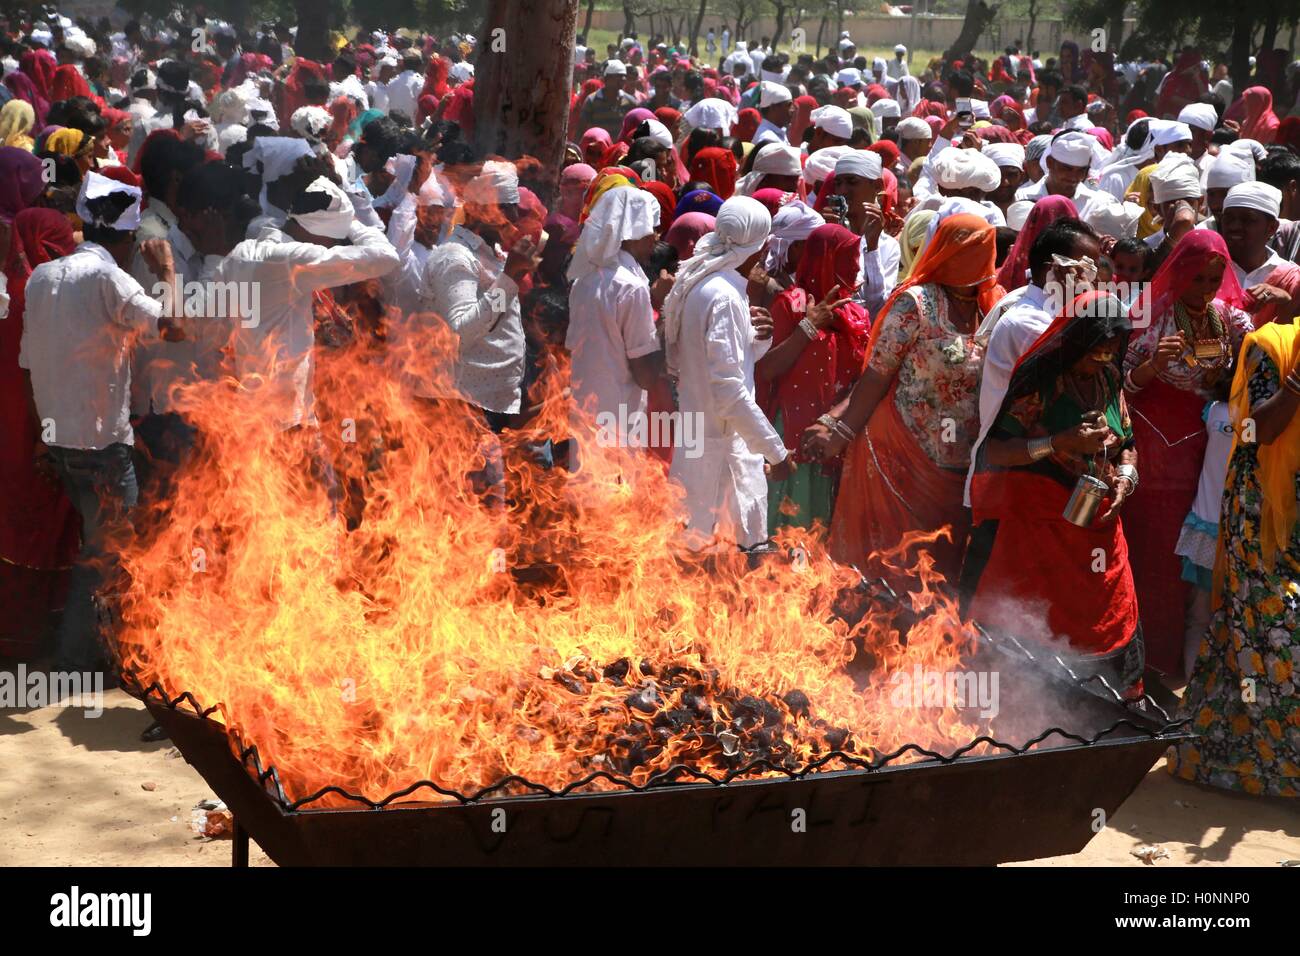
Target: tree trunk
1269,40
312,41
1033,21
821,28
629,19
1115,29
839,26
1243,28
695,28
779,33
591,8
978,16
522,93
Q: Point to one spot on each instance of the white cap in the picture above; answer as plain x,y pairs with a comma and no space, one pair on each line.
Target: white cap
1201,115
859,162
1110,217
834,120
900,48
1168,132
913,127
822,163
957,168
95,186
1018,212
1175,177
1261,196
883,108
1072,147
1229,169
1005,154
1246,147
848,77
772,94
615,68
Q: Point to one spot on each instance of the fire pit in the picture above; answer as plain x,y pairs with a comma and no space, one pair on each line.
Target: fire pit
1023,802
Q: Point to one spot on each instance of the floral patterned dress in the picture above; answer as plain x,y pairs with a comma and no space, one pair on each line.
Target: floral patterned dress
1242,696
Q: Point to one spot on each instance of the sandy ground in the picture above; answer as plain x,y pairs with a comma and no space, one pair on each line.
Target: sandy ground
73,791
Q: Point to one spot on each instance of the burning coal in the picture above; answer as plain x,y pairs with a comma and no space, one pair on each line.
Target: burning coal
385,640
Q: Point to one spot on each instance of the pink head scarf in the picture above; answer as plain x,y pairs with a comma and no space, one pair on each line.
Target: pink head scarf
1178,271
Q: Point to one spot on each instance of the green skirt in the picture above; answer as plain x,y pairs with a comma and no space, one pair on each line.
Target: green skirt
806,496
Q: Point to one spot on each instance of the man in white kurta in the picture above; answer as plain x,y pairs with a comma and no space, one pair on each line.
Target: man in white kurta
712,346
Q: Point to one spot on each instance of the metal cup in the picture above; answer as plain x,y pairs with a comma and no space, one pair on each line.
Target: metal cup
1085,501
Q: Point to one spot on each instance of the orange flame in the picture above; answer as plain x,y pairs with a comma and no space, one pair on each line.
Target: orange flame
404,649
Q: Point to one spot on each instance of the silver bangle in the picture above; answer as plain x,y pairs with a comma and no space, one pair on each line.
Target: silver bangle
836,426
1130,473
1129,384
1039,448
810,330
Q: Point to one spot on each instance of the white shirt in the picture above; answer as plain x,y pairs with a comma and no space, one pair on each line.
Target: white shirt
726,489
350,86
377,93
1255,276
402,287
611,321
158,366
896,69
466,285
82,313
1013,333
276,343
769,132
879,272
1080,122
1038,190
404,92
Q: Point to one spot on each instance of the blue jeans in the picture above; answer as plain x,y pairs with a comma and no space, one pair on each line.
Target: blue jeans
101,485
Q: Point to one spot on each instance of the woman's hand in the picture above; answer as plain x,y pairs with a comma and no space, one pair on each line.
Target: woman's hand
1120,489
822,314
819,443
761,319
1085,439
1168,350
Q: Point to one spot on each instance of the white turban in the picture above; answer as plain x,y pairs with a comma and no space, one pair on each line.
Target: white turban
1073,147
1201,115
95,186
275,156
658,132
311,122
711,113
776,159
615,68
772,94
822,163
1110,217
1246,147
792,223
979,109
914,128
497,184
900,49
956,168
617,216
878,65
1261,196
1018,212
834,120
859,162
849,77
1168,132
958,205
335,220
1229,169
739,231
1005,154
461,72
885,107
1175,177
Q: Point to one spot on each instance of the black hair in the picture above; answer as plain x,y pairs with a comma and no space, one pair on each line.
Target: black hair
220,186
1223,135
457,152
1059,239
165,156
693,186
701,138
1279,168
1006,238
1215,100
1077,93
1137,134
961,83
1050,78
664,257
383,136
1131,245
66,170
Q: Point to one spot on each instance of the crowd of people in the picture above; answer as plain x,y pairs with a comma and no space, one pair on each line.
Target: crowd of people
1039,316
